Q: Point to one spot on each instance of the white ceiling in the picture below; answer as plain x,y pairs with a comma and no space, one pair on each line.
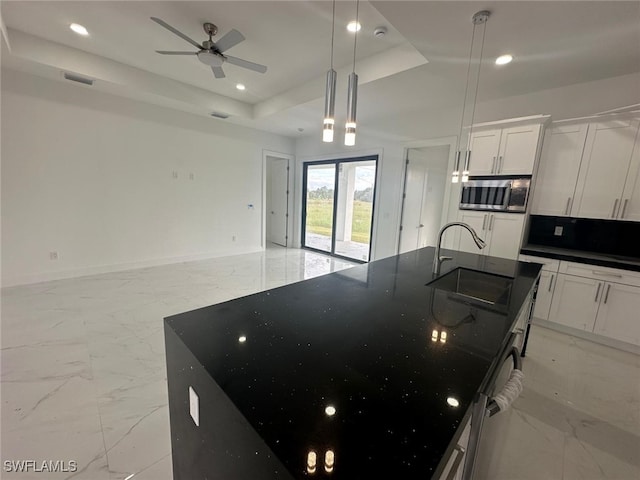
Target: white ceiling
420,64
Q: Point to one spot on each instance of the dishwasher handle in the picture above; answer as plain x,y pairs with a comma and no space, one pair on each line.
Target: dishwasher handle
511,389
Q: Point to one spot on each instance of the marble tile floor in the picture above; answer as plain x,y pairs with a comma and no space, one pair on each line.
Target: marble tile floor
83,376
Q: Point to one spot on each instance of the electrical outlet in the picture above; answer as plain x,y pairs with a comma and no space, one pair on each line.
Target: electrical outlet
53,255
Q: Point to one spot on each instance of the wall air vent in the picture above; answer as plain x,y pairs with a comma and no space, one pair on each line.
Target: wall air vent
219,115
78,78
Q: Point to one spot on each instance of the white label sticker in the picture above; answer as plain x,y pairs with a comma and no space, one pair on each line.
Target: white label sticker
558,231
194,406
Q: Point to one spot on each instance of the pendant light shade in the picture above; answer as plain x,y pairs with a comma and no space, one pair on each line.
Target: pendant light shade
330,91
352,103
479,18
352,94
329,107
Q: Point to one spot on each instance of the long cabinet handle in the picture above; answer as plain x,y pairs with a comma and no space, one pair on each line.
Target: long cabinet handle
493,165
500,163
624,207
551,281
491,217
597,292
606,274
484,222
615,207
606,295
566,210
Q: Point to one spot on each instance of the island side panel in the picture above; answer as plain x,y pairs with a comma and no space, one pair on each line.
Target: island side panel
224,446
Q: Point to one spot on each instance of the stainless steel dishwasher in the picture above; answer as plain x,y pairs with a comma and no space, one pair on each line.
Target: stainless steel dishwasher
491,414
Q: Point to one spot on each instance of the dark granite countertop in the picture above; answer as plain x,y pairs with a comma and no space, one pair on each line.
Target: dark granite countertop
367,341
591,258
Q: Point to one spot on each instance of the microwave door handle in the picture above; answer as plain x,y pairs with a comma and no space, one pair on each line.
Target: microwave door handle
507,196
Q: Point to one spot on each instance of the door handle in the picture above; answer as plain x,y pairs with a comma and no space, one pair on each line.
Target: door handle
491,221
615,207
551,281
493,165
566,210
484,222
597,292
606,295
624,207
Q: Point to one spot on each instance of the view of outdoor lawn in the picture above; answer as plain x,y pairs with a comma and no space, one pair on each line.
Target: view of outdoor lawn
320,213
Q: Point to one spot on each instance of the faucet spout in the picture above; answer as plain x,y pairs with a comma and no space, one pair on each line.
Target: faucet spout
437,260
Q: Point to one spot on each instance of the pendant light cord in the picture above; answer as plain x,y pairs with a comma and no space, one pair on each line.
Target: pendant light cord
475,97
355,39
333,28
466,88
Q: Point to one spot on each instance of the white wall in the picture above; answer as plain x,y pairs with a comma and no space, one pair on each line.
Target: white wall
90,176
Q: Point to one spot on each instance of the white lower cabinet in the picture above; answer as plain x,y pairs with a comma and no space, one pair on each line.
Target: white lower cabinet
545,294
455,464
598,303
618,315
575,302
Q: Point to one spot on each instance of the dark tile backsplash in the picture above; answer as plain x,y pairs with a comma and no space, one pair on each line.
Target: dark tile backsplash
610,237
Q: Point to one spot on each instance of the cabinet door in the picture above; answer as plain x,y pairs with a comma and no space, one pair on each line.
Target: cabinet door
478,221
604,168
555,185
518,148
618,314
505,230
630,209
575,301
545,294
484,152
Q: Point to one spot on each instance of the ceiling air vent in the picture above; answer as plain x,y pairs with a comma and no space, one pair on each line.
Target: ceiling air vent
219,115
77,78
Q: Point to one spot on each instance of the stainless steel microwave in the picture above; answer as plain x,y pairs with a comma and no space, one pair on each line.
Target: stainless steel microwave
503,194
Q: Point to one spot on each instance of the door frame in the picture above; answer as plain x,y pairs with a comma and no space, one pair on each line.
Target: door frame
290,195
337,160
451,142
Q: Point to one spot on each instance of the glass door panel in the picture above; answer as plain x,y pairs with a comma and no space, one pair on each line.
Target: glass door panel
320,189
354,209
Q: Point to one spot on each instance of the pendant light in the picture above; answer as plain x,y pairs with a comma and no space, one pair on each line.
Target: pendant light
352,94
330,92
479,18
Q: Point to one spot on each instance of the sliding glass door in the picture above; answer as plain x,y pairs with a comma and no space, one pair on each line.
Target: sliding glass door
338,205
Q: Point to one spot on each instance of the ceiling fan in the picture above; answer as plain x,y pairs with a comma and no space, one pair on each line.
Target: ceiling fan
210,52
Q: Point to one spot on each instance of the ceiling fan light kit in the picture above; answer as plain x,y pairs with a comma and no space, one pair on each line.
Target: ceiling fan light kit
480,18
212,53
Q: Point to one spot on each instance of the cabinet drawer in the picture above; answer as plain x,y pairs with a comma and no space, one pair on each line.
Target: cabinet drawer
548,264
606,274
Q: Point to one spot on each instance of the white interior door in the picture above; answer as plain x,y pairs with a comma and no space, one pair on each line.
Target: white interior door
277,200
412,210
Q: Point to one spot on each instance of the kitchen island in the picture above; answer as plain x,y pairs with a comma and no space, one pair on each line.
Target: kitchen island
364,373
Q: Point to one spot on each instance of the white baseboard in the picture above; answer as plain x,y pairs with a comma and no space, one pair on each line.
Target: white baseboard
609,342
29,279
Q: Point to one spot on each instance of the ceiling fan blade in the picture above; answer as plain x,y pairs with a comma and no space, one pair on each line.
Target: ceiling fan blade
177,32
165,52
218,72
256,67
228,40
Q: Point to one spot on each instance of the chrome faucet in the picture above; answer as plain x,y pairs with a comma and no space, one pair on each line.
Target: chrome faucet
437,259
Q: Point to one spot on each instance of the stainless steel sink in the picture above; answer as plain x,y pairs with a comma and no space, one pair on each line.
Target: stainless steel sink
479,286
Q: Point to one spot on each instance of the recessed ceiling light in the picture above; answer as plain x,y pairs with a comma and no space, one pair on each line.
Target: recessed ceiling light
240,86
453,401
354,26
79,29
330,410
503,59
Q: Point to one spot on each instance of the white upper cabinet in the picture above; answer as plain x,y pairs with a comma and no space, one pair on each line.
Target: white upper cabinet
504,151
484,148
604,168
559,166
630,209
502,233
